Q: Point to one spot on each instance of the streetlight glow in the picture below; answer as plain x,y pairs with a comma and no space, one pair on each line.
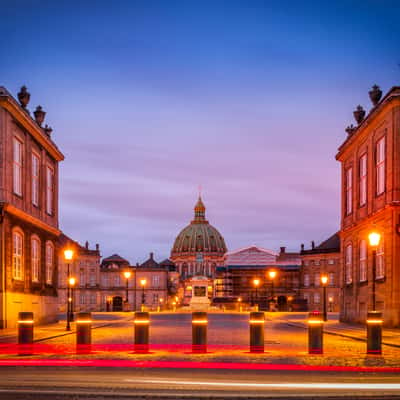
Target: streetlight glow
68,254
72,281
143,282
272,274
127,274
324,279
256,282
374,239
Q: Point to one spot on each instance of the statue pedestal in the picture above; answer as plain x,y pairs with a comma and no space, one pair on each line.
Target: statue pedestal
199,300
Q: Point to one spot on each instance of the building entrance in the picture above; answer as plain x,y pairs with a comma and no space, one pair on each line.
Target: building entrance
117,303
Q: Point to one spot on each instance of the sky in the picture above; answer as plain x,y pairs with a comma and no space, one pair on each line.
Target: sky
150,99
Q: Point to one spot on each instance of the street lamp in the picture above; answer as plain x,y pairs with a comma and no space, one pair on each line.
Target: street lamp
127,275
71,282
324,281
330,300
256,283
143,282
272,276
374,239
68,256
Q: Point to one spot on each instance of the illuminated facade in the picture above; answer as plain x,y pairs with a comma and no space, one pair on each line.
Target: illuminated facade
370,164
321,260
199,248
28,212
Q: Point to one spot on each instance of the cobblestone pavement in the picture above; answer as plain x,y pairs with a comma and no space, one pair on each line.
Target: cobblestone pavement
228,337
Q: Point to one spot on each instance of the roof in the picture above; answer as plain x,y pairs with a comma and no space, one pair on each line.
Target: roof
150,263
330,245
285,267
115,258
66,241
251,255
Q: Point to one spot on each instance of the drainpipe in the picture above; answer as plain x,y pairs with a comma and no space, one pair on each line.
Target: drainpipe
3,320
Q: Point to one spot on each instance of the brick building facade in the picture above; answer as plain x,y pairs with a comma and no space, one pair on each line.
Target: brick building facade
28,212
370,164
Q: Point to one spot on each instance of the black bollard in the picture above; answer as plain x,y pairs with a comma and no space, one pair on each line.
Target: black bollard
142,322
83,332
199,332
25,333
315,332
257,321
374,332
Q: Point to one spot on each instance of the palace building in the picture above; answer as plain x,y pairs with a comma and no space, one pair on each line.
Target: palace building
370,164
28,211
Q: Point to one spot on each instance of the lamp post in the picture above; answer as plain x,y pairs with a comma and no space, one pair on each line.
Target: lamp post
374,239
324,281
143,282
71,282
330,300
68,255
256,283
127,275
272,276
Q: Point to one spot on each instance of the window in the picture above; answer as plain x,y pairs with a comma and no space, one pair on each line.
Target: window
82,298
317,280
331,277
306,280
17,167
49,190
331,261
92,280
363,180
316,298
35,255
117,280
105,280
35,179
363,261
380,166
156,281
49,262
380,261
82,278
349,191
92,298
316,262
17,260
348,265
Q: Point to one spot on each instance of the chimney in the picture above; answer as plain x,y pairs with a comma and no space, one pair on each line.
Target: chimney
283,250
87,245
151,255
302,247
312,245
97,247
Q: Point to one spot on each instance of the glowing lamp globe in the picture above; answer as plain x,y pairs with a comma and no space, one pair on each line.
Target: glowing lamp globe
374,239
68,254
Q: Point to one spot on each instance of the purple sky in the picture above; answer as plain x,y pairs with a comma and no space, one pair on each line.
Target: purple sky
150,99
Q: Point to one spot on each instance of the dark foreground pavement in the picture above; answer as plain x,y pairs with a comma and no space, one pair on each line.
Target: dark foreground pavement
120,383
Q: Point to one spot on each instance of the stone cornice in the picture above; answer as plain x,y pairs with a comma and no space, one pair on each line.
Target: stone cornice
24,119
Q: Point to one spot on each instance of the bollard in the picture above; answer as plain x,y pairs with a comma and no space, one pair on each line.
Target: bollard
83,332
199,332
25,333
256,323
142,322
315,332
374,332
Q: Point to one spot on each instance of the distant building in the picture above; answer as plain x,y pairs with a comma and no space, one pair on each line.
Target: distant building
85,268
28,212
315,262
241,267
370,164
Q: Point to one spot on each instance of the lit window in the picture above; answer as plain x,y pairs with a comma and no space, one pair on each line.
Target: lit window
348,264
49,262
363,180
35,250
380,166
306,280
35,179
17,167
49,190
380,261
363,261
349,191
17,261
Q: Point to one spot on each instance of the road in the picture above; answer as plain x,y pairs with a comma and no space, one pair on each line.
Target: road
175,383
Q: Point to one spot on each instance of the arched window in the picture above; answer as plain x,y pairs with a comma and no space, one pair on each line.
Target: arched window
35,258
49,262
18,254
